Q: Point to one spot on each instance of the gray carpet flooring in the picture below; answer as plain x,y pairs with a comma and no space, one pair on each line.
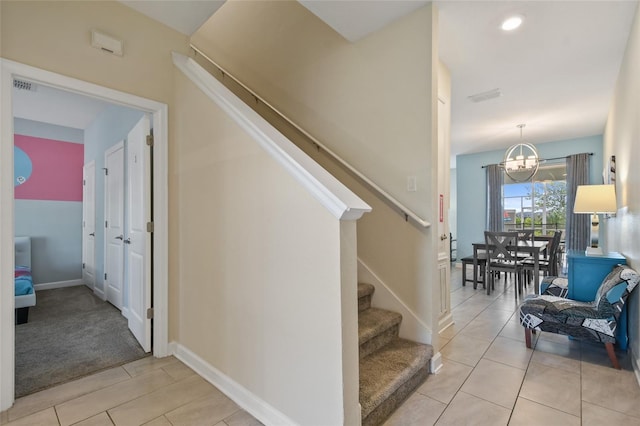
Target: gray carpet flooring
71,333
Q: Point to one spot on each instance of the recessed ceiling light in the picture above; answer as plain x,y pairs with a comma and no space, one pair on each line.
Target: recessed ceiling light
511,23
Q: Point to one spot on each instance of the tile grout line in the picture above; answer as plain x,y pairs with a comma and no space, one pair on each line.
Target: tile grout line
484,353
481,357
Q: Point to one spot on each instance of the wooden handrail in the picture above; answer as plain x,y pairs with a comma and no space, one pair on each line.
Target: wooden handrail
408,213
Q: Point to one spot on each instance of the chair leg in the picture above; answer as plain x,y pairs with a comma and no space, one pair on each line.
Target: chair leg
612,355
527,337
464,274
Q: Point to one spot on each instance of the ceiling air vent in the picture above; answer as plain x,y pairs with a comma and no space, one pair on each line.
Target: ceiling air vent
485,96
24,85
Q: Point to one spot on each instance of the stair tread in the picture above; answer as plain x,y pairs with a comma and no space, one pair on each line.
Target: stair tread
365,289
374,321
384,371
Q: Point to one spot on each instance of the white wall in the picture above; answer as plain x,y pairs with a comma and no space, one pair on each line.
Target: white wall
621,137
267,279
373,102
370,101
54,226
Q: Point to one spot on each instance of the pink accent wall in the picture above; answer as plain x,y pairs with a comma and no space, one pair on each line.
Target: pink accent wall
57,169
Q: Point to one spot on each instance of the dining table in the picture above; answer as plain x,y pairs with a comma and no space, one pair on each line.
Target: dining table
534,248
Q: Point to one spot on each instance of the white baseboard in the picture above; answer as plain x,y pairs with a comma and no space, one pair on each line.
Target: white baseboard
99,293
436,363
445,322
411,327
57,284
255,406
125,312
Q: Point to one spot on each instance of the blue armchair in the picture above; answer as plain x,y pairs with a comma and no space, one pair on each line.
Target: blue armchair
596,321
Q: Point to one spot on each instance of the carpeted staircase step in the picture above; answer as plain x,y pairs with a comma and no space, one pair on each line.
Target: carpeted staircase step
376,328
389,375
365,293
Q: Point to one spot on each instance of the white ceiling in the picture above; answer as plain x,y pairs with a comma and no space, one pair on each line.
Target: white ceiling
355,19
184,16
556,72
54,106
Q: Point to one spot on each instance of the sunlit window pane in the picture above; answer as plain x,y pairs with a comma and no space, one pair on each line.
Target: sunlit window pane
540,204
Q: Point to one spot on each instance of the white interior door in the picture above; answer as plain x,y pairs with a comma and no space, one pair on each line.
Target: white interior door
138,241
89,224
114,225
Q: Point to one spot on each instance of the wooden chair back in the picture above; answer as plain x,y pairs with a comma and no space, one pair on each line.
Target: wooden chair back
502,246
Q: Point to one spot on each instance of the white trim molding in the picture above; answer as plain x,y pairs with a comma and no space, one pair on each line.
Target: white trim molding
7,249
58,284
329,191
436,363
255,406
411,327
8,71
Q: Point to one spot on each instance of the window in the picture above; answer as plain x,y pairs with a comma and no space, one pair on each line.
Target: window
540,204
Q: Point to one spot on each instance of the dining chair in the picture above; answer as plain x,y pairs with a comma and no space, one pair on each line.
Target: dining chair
527,235
548,265
502,256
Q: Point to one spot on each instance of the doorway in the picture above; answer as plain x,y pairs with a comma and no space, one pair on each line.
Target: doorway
158,111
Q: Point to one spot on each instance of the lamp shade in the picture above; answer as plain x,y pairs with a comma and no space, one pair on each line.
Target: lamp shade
595,199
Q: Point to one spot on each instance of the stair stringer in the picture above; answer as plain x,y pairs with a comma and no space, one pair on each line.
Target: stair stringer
411,327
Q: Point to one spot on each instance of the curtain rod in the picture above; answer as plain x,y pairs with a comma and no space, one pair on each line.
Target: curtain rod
542,160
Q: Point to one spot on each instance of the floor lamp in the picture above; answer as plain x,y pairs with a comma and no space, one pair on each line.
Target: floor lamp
595,199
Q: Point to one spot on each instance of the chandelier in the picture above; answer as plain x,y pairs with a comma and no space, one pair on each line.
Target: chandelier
521,160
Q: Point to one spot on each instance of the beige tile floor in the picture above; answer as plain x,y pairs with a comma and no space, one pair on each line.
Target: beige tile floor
149,391
489,377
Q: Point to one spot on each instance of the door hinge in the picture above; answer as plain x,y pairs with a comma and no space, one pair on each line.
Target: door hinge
150,313
106,224
84,182
149,226
105,275
150,140
83,266
106,171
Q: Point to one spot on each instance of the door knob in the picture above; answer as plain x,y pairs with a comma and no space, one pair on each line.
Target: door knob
127,241
93,234
120,237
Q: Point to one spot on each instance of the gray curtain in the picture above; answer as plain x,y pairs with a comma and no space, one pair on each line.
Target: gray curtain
578,225
495,180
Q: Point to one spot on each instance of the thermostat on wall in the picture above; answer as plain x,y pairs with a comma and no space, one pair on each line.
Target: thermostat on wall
107,43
